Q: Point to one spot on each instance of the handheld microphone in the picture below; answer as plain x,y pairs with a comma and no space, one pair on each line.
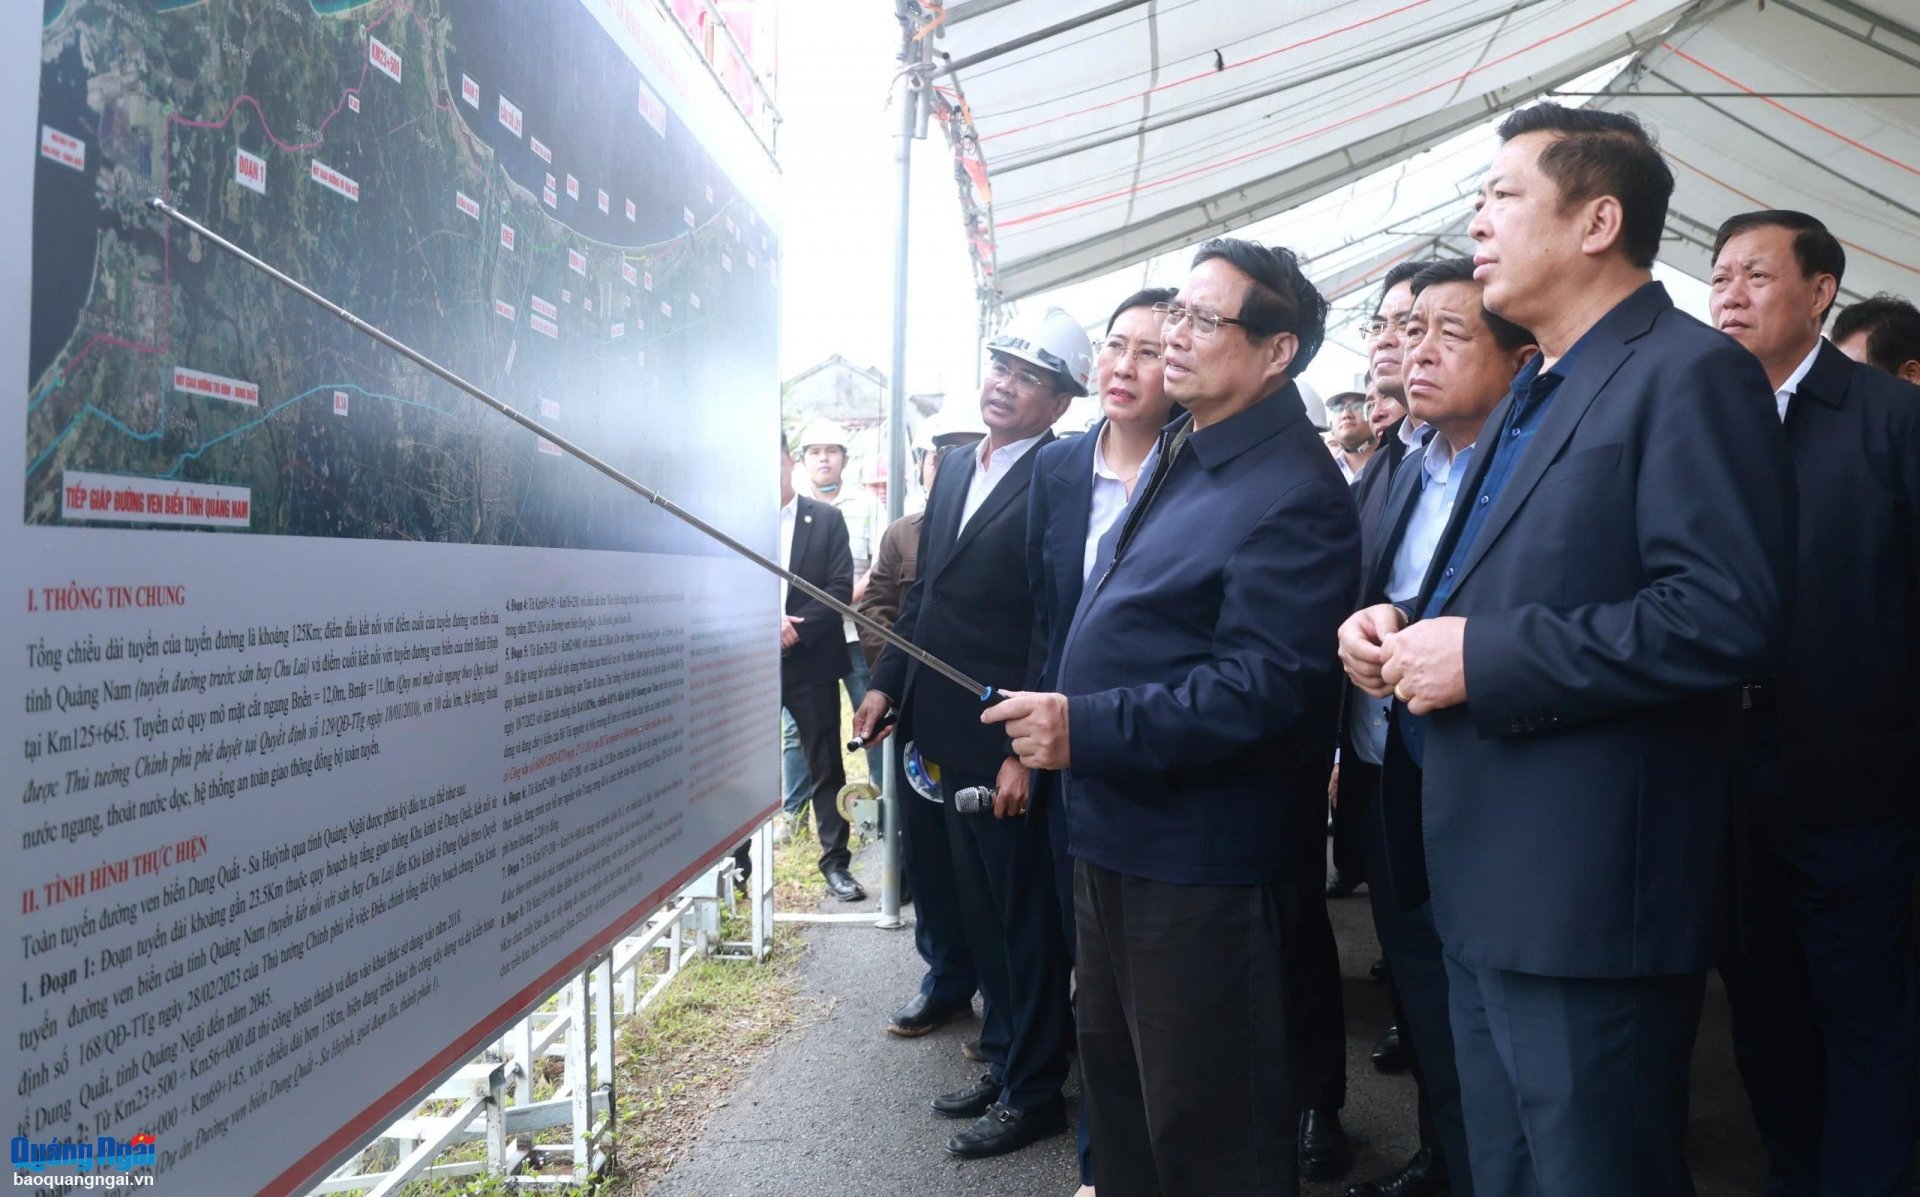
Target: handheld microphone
974,799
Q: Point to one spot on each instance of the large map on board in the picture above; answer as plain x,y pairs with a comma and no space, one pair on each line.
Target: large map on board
493,182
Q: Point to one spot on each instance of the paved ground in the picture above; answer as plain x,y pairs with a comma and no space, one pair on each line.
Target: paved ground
840,1108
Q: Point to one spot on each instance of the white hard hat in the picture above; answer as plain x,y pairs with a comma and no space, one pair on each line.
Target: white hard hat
1054,341
820,431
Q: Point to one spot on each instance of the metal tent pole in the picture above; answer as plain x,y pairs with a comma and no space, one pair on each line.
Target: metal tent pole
913,96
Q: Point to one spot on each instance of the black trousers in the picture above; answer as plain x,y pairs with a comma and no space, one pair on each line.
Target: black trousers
938,933
1316,1007
1412,947
1822,991
1183,1037
1003,878
815,707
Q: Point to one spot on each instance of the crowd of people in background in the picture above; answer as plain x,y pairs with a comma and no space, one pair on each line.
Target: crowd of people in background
1596,628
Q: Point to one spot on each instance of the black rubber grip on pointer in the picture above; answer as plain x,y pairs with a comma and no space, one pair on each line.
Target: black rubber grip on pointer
887,720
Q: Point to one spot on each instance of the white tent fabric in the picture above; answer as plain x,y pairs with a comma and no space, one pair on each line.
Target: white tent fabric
1111,132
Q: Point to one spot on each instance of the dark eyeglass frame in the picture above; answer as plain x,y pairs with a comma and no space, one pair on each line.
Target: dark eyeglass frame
1204,322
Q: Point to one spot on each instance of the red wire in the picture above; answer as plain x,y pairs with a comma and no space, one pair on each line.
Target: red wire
1802,117
1208,74
1760,203
1282,144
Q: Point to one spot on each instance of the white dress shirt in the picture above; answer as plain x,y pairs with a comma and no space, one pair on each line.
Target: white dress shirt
1787,389
787,515
1109,498
988,470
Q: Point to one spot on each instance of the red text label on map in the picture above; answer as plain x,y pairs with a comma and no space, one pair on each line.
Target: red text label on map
86,496
467,204
196,382
384,58
333,180
66,150
470,91
510,116
653,109
250,171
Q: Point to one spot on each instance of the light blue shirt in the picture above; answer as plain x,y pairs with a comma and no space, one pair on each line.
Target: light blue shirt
1441,469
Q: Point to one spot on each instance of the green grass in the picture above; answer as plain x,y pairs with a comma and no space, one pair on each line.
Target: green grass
678,1061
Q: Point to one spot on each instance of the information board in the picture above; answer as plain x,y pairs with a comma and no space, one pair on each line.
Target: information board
345,717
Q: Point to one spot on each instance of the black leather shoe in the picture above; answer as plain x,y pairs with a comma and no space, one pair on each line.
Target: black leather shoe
970,1102
1339,885
1002,1129
1422,1177
841,885
923,1014
1325,1153
1390,1054
970,1048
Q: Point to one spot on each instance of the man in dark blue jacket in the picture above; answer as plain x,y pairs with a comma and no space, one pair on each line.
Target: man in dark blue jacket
1195,721
1618,567
1822,983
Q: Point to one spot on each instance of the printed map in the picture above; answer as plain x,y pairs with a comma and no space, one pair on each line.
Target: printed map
493,182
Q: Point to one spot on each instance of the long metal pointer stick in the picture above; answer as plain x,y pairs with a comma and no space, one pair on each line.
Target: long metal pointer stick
982,692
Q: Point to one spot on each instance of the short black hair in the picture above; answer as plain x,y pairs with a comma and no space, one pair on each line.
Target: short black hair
1892,325
1280,298
1817,250
1506,334
784,451
1596,152
1399,273
1142,299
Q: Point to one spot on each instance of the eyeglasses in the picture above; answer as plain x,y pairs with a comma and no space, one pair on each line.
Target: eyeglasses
999,371
1206,321
1117,349
1369,330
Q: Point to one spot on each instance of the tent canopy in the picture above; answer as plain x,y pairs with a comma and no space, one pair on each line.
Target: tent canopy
1095,134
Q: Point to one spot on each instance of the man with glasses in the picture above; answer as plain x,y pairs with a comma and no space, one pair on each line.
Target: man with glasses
972,606
1195,721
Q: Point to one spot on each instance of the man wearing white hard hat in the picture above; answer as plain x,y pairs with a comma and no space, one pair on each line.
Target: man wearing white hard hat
822,445
972,606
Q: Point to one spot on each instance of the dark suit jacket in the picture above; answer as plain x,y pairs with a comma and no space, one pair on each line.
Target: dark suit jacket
1058,508
971,607
820,555
1849,692
1370,488
1634,571
1398,807
1200,673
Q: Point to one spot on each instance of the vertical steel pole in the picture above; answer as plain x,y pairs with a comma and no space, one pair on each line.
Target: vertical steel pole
912,96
